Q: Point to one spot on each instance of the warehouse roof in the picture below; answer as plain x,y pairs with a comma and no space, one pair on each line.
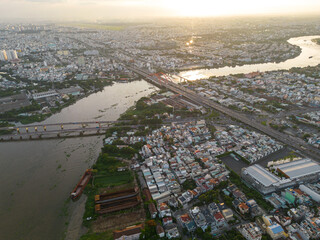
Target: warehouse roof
262,175
299,168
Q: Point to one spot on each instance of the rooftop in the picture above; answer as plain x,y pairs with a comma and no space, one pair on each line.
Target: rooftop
299,168
276,228
261,175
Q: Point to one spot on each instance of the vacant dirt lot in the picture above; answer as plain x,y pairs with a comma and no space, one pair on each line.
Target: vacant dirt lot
118,221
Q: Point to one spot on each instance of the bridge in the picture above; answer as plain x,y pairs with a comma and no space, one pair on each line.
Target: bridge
57,130
291,141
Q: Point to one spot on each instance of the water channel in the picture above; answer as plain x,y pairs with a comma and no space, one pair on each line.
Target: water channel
310,56
36,177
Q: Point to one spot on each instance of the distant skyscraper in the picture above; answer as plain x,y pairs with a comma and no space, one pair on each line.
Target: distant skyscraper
12,55
3,55
81,61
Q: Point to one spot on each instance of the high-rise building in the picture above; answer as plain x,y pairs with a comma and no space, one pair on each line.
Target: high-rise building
3,55
12,55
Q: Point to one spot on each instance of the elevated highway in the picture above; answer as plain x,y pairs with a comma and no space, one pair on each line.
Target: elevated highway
294,142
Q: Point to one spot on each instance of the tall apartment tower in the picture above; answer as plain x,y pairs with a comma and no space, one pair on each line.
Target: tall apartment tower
12,55
3,55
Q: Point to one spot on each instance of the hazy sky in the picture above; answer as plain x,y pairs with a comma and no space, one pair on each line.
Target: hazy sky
124,9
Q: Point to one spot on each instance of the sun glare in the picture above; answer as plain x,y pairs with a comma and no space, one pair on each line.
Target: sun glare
229,7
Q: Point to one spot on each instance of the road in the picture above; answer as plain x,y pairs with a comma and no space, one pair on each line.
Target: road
39,134
59,124
294,142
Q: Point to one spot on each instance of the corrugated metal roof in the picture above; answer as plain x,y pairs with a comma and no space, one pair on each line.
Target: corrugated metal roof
261,175
276,229
300,168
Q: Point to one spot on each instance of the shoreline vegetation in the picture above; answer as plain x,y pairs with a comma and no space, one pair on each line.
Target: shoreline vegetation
108,179
316,40
206,67
31,113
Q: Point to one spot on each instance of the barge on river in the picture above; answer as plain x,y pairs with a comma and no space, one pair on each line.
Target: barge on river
77,191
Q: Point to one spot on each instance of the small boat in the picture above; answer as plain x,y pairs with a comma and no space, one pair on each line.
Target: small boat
77,191
311,57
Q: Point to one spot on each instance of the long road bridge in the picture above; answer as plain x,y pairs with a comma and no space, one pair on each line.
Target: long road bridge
69,129
42,125
294,142
65,129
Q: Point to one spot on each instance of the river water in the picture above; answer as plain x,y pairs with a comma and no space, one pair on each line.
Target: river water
36,177
308,49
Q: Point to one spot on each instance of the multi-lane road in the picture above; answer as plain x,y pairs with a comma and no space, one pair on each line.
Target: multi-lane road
294,142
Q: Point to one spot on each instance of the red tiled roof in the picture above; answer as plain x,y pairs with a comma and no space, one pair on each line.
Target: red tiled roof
218,216
127,231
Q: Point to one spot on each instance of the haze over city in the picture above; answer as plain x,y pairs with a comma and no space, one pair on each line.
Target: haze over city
76,10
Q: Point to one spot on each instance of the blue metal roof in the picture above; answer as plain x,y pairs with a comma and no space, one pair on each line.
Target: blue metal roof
276,229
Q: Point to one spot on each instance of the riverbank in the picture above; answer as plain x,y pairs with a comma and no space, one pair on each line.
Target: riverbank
308,49
217,66
34,112
53,177
108,179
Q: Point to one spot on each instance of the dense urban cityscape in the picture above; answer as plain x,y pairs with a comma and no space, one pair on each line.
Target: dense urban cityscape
172,129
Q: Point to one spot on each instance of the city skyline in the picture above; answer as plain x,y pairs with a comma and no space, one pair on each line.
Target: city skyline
143,9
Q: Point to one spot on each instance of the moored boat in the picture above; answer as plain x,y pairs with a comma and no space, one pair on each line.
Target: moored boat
77,191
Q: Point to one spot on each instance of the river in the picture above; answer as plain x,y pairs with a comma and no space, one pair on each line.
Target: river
308,49
36,177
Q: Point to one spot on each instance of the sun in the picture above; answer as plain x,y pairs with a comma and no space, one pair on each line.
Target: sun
194,8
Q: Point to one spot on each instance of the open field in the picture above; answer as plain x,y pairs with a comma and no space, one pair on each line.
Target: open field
98,236
113,180
118,221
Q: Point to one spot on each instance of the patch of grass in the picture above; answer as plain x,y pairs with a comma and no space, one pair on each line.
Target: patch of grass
113,180
189,184
143,110
316,40
98,236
